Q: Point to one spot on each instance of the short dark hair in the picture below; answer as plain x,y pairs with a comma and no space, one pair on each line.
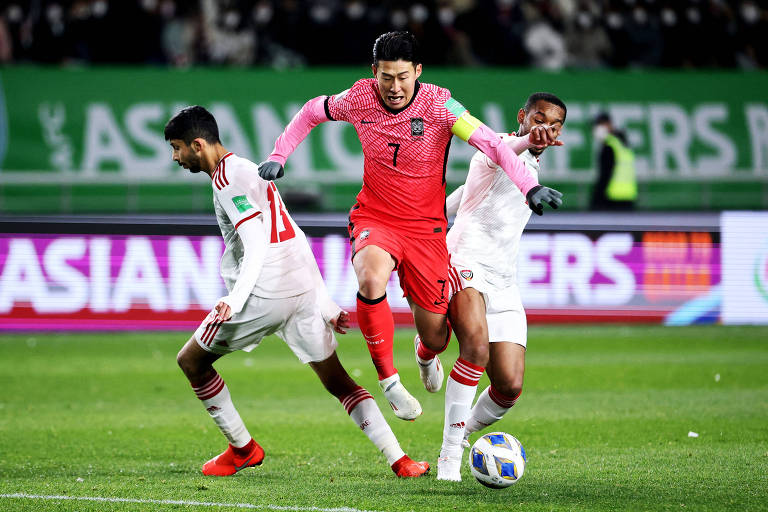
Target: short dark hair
396,46
545,96
192,123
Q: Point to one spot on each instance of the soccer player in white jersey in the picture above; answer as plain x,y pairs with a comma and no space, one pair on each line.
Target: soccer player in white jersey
491,213
274,287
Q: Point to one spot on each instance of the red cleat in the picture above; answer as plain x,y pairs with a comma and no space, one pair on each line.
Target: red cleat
406,467
230,462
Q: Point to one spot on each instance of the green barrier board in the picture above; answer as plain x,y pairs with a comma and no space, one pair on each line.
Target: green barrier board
90,140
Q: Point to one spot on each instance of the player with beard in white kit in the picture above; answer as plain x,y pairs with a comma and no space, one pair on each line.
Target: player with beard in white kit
486,311
274,287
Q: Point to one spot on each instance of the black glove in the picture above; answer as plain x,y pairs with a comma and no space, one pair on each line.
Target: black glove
270,170
541,194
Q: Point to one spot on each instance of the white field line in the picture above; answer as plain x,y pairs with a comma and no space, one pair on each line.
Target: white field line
251,506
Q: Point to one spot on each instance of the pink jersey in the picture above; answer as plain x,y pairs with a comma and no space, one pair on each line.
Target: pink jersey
406,152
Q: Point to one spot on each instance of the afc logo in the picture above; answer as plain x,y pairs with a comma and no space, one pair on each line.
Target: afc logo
417,126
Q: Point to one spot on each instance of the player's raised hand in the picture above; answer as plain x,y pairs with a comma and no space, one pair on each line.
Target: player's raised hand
270,170
223,312
542,136
541,194
341,323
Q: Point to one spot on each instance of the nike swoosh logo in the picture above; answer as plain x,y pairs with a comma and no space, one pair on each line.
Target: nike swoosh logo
245,464
438,302
367,122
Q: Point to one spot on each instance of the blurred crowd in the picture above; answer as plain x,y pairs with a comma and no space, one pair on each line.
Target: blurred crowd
549,34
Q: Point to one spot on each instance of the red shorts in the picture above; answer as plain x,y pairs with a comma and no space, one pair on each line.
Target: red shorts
421,264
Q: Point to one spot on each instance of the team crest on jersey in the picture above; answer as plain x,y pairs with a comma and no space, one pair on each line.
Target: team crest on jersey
364,234
466,274
417,126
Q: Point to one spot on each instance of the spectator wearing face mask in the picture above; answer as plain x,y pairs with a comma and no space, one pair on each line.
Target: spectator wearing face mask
616,186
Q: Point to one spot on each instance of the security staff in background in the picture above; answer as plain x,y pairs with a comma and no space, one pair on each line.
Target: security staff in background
616,186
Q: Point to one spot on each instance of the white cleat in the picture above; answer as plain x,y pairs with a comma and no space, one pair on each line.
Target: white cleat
432,373
449,468
405,406
465,441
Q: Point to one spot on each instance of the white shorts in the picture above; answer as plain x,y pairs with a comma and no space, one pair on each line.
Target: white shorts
504,310
296,320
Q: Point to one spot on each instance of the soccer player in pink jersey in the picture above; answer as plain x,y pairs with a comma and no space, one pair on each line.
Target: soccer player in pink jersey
274,287
399,222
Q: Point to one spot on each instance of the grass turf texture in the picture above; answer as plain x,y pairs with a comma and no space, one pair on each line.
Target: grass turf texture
604,419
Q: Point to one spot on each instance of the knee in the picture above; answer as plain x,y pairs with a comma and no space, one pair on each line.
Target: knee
511,387
372,285
476,352
191,367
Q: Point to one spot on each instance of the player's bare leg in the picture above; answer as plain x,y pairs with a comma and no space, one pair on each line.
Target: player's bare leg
243,451
373,266
467,311
506,368
363,410
433,331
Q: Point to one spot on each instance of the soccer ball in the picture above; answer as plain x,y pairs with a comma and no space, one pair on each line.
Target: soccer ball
497,460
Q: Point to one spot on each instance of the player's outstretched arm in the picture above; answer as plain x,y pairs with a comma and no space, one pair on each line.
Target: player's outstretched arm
486,140
310,115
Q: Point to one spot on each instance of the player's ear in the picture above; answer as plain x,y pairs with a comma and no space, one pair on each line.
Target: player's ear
418,70
197,145
520,116
373,68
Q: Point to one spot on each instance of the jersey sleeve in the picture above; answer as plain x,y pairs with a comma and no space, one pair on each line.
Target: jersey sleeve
339,106
240,196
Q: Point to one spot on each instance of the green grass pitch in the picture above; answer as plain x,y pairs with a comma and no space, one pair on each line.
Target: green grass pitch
604,418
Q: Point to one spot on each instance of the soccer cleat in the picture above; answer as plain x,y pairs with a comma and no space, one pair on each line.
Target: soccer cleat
405,467
405,406
432,373
449,468
229,463
465,440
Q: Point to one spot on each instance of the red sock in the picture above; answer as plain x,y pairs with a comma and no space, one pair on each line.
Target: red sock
427,354
378,327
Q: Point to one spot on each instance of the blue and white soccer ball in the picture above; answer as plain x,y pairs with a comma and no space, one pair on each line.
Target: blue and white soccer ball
497,460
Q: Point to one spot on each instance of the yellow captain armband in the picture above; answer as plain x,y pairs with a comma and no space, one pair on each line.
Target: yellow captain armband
465,126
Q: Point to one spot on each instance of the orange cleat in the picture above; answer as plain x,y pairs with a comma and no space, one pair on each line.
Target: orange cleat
229,462
406,467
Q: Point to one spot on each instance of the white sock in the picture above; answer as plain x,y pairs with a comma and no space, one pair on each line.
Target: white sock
217,401
490,407
363,410
459,392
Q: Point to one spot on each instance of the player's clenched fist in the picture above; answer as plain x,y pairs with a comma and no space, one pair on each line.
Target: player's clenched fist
341,323
270,170
541,194
543,136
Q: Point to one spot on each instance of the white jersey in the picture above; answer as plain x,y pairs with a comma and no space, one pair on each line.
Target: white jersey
240,196
491,216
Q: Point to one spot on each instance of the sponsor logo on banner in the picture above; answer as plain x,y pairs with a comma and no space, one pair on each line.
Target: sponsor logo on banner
744,237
